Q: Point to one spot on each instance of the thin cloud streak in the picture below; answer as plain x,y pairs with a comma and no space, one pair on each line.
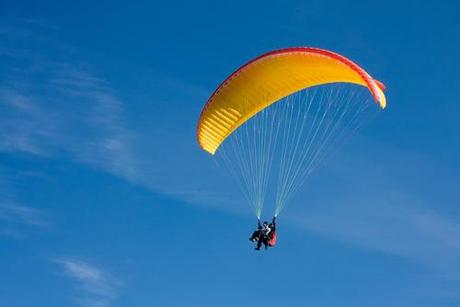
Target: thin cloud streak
373,211
425,237
15,213
96,288
16,217
61,109
53,107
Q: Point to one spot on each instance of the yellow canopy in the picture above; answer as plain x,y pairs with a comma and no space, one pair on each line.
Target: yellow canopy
267,79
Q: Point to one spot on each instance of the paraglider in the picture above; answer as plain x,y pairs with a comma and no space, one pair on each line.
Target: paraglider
264,234
274,119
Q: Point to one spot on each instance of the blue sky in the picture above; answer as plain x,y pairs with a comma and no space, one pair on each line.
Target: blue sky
106,199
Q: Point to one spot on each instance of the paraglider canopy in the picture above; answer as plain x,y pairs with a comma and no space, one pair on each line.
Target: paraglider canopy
270,77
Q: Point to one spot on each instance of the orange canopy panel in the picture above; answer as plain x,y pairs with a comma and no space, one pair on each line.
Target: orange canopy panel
269,78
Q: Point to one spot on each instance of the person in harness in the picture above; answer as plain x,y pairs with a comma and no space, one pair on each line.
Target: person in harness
257,233
265,234
272,234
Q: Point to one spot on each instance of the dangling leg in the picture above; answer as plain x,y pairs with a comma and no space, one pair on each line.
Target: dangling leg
254,236
259,243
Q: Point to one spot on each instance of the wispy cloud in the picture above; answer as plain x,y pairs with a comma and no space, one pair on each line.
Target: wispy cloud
420,235
372,210
15,213
55,106
16,218
96,288
22,126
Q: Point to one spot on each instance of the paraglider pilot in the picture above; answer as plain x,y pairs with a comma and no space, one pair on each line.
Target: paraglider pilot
256,234
265,234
